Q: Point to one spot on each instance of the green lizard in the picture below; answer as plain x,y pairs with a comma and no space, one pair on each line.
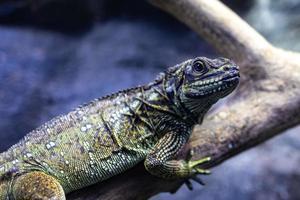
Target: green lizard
107,136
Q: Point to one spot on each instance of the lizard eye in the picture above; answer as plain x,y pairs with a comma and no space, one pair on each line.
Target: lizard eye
199,66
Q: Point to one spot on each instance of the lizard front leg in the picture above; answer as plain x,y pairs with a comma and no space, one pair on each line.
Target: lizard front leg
161,161
37,186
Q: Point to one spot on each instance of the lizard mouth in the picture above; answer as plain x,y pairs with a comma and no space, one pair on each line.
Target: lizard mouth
229,84
221,86
231,79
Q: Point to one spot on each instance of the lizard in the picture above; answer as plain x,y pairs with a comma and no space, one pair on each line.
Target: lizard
109,135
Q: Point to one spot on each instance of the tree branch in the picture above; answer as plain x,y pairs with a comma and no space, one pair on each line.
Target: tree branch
266,103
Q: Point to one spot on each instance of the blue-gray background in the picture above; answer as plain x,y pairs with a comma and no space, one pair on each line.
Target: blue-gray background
55,56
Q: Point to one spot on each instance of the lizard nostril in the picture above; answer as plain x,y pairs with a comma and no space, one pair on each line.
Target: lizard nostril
226,68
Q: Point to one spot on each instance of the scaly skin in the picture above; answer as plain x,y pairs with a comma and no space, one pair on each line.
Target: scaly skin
114,133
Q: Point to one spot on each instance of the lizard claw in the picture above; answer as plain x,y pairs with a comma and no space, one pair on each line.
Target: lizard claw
198,180
188,184
190,154
203,171
193,165
198,162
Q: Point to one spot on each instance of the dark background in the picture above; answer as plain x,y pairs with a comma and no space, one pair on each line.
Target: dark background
55,55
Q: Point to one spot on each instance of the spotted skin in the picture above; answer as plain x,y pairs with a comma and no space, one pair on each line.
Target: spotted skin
101,139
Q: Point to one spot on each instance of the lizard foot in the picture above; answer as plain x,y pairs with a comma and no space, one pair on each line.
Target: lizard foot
196,169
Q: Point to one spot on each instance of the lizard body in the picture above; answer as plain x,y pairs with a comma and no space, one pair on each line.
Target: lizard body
112,134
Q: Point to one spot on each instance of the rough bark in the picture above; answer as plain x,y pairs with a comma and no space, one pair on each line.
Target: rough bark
266,103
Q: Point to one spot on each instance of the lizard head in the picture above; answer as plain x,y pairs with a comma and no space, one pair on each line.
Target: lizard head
198,83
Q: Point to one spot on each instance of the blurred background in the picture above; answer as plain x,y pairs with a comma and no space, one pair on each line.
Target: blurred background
57,54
